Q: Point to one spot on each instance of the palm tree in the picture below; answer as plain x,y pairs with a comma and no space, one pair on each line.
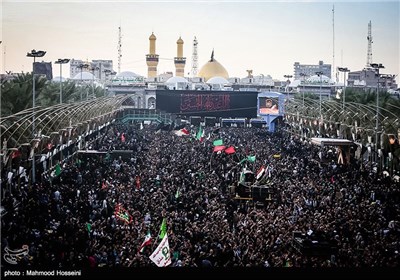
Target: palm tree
16,94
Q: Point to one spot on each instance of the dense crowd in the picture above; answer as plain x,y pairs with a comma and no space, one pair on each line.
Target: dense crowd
70,221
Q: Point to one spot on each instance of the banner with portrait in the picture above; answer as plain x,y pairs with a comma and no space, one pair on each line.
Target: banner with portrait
268,106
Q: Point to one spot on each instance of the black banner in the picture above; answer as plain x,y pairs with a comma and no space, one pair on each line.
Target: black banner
208,103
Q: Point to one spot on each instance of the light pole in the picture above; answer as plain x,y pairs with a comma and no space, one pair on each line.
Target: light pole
93,69
113,73
262,81
106,73
34,54
303,75
288,77
81,66
344,70
377,66
61,62
319,73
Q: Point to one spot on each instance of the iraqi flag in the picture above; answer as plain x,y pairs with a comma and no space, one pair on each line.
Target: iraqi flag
260,173
146,242
181,132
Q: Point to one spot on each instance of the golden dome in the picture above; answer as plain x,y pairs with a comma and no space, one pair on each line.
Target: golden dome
212,69
152,36
180,41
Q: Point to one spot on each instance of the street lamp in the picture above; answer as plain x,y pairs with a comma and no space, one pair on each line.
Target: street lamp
93,69
81,66
344,70
319,73
288,77
106,73
61,62
113,73
34,54
303,75
377,66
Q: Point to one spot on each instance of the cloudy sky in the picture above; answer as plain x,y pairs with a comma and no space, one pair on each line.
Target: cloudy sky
266,36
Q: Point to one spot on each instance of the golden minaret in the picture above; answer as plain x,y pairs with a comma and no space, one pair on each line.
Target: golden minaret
179,60
152,58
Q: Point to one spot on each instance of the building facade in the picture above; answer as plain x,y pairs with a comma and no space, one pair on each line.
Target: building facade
100,66
367,78
310,69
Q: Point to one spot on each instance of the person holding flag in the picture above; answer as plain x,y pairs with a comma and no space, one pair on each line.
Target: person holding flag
162,255
146,242
163,229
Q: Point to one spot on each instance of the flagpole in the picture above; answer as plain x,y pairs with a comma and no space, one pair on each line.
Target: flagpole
237,157
211,159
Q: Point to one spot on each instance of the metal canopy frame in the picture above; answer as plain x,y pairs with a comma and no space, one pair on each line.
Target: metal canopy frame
356,116
17,129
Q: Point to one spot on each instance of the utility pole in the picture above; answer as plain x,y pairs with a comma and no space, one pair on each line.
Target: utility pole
119,48
195,58
369,52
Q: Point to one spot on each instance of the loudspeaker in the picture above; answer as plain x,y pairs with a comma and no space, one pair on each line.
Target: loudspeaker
261,193
195,121
210,121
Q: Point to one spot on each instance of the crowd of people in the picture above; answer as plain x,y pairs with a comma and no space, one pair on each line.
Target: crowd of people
70,221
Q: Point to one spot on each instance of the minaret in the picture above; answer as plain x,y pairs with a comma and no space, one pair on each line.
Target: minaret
179,60
152,58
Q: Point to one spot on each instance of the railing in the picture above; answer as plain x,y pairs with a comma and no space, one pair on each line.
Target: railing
130,113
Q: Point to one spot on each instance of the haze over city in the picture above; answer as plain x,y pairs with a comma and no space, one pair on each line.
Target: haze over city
265,36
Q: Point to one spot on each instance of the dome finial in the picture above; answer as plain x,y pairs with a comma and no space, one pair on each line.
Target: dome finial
212,55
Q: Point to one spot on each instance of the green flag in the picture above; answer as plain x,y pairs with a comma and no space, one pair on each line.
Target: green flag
248,158
199,133
108,157
163,229
58,169
242,177
251,158
89,227
177,194
218,142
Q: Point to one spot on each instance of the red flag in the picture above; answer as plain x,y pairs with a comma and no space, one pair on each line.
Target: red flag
219,148
230,150
137,181
123,137
16,154
122,214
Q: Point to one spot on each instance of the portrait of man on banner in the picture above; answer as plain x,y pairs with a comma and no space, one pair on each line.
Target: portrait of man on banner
269,106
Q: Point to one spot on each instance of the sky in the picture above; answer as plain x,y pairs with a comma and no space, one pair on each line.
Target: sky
265,36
